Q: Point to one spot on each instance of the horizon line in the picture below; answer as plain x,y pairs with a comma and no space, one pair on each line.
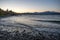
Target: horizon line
29,12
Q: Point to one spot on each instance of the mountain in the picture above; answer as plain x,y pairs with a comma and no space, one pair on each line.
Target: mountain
10,12
42,13
49,13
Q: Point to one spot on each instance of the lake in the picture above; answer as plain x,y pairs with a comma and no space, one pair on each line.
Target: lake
50,23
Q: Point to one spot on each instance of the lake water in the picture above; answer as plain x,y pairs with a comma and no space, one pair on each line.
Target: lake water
31,22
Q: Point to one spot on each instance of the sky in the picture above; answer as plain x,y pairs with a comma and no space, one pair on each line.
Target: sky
30,5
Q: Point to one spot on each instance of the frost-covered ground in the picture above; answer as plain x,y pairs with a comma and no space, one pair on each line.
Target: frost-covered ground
29,24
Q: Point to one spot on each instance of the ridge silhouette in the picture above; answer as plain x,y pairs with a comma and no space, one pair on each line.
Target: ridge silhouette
10,12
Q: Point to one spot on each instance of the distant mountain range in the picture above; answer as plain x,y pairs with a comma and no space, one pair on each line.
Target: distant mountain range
7,12
49,13
43,13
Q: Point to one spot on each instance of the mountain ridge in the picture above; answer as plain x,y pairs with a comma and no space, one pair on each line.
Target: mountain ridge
2,13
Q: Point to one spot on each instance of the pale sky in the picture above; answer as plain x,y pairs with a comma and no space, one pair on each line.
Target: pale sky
30,5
